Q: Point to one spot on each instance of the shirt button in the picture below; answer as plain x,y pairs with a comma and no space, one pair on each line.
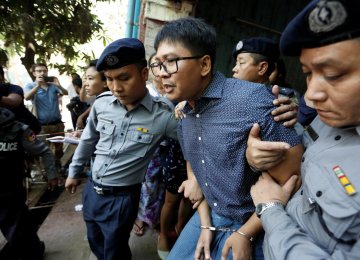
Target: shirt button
121,134
206,184
197,115
338,137
215,204
106,164
318,193
202,161
199,138
303,159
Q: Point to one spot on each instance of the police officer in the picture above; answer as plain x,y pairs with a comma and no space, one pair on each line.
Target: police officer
123,131
255,59
322,220
15,223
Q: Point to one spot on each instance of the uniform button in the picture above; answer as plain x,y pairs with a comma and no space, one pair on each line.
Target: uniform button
202,161
122,134
338,137
215,204
139,137
197,115
97,177
106,164
103,127
301,192
206,184
303,159
199,138
318,193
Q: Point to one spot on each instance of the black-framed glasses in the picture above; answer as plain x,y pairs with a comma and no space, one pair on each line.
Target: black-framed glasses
39,71
170,66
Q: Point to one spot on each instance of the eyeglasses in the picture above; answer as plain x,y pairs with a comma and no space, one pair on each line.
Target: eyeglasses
41,71
170,66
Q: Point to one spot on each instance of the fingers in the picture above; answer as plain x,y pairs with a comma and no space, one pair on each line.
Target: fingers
207,251
290,184
182,188
283,100
275,90
73,189
290,123
255,131
225,251
196,204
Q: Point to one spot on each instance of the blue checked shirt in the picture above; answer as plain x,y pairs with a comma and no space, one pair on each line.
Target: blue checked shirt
213,138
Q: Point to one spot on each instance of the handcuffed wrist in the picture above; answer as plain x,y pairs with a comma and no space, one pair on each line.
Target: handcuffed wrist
244,235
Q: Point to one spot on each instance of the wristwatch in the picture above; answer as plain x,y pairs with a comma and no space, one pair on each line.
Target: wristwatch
261,207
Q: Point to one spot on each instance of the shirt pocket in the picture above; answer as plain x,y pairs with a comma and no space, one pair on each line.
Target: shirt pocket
138,143
106,131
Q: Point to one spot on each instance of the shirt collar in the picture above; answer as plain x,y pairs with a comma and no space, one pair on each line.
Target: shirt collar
214,89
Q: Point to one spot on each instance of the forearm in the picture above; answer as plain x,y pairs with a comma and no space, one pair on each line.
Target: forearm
11,101
289,166
62,90
204,214
31,93
252,227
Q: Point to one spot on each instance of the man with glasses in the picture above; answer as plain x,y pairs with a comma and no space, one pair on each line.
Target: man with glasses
44,93
219,115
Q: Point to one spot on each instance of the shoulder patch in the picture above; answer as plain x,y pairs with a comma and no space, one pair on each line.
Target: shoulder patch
164,101
104,94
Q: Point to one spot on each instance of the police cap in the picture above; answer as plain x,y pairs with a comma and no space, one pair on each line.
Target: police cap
260,45
121,53
320,23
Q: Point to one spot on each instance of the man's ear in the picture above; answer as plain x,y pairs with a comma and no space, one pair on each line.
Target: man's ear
205,65
263,67
145,73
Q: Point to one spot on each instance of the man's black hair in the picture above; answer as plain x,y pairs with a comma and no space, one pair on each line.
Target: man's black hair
77,82
92,63
193,33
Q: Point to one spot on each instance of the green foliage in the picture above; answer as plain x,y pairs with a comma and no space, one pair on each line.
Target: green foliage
37,29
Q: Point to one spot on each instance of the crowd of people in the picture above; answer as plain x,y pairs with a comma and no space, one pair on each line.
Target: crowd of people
222,168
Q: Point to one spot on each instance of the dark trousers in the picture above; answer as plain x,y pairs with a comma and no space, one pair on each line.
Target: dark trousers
18,229
109,220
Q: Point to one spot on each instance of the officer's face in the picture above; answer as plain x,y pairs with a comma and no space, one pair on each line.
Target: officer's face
245,68
93,83
333,79
128,84
190,80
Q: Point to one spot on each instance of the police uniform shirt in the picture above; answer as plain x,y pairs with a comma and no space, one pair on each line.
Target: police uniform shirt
11,146
323,217
123,141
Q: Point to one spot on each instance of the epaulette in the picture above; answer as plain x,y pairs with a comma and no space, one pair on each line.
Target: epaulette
164,101
104,94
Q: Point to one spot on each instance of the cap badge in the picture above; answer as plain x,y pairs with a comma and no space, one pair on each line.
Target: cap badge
239,45
111,60
326,16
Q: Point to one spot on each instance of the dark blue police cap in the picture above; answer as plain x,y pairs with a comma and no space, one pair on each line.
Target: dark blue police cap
260,45
322,22
121,53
